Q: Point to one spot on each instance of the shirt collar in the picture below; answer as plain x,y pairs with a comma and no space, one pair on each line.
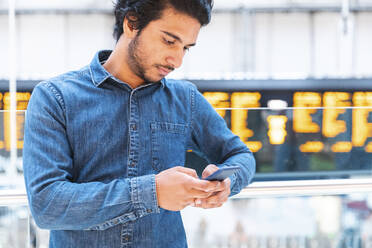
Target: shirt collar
99,74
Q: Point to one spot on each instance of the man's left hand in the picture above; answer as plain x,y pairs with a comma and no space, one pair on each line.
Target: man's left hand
221,194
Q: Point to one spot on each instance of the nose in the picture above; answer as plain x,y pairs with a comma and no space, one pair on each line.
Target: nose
176,58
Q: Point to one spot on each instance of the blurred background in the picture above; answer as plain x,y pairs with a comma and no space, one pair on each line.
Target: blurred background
292,78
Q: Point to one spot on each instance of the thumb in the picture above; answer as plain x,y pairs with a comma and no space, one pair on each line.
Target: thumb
209,170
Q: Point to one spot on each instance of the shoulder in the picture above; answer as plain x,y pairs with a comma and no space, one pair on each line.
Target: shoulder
60,86
67,80
179,85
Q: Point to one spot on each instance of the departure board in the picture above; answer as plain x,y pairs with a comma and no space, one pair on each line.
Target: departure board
333,107
298,128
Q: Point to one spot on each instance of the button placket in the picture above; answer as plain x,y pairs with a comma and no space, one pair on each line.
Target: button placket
127,235
133,136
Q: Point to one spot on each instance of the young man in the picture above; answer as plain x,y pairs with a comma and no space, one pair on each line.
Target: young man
105,146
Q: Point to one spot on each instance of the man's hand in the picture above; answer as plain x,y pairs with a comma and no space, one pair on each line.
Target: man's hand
178,187
219,196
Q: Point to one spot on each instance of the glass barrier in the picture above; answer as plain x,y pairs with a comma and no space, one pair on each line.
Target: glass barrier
18,230
14,226
323,221
287,222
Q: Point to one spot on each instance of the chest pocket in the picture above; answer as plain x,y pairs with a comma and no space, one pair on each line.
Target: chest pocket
168,145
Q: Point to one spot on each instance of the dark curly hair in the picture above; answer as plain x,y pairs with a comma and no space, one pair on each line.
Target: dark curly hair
141,12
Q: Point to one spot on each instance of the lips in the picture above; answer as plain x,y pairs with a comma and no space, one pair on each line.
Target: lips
164,70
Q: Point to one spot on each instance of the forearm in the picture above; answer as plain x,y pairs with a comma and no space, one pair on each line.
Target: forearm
70,206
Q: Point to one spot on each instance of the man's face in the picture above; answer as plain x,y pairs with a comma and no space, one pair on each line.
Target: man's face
160,47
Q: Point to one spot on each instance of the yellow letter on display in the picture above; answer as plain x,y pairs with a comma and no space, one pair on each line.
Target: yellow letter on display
362,129
243,100
302,121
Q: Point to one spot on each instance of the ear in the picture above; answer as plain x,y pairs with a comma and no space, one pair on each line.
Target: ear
129,30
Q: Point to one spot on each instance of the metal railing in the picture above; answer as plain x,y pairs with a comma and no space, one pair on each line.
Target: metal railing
13,197
306,188
254,190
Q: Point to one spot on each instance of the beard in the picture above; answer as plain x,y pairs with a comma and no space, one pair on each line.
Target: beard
136,59
137,62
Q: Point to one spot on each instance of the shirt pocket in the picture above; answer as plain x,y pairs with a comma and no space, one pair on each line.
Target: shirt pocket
168,145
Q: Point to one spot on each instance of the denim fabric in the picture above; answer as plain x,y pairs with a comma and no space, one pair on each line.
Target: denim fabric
93,145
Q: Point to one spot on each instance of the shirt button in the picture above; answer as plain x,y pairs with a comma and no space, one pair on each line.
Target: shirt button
149,211
133,127
132,164
126,237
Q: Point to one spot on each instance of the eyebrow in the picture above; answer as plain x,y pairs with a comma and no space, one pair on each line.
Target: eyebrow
177,38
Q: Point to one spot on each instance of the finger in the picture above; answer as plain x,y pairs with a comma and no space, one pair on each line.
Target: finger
217,186
220,197
207,205
203,185
209,170
227,182
188,171
224,185
188,201
195,193
214,199
213,206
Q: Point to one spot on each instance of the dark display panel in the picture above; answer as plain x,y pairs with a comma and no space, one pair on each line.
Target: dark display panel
298,129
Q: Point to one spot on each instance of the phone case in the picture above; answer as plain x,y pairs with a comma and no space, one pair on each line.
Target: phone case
222,173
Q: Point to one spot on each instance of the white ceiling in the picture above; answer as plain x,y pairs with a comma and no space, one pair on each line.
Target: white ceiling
219,4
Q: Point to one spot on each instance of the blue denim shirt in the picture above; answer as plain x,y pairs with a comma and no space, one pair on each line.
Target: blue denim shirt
93,145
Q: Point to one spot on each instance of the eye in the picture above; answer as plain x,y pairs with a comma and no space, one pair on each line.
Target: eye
168,42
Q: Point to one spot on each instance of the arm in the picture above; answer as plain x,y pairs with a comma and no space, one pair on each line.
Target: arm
56,202
218,144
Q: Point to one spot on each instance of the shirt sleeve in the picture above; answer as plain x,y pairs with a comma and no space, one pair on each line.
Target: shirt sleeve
56,202
218,144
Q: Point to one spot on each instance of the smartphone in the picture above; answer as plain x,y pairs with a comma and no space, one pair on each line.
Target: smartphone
222,173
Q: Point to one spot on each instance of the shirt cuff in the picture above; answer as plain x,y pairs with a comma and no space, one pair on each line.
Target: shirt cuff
233,189
143,193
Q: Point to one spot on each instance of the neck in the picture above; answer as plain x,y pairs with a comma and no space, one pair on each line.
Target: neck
118,66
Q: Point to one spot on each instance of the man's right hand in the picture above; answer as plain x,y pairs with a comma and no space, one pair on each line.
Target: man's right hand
178,187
